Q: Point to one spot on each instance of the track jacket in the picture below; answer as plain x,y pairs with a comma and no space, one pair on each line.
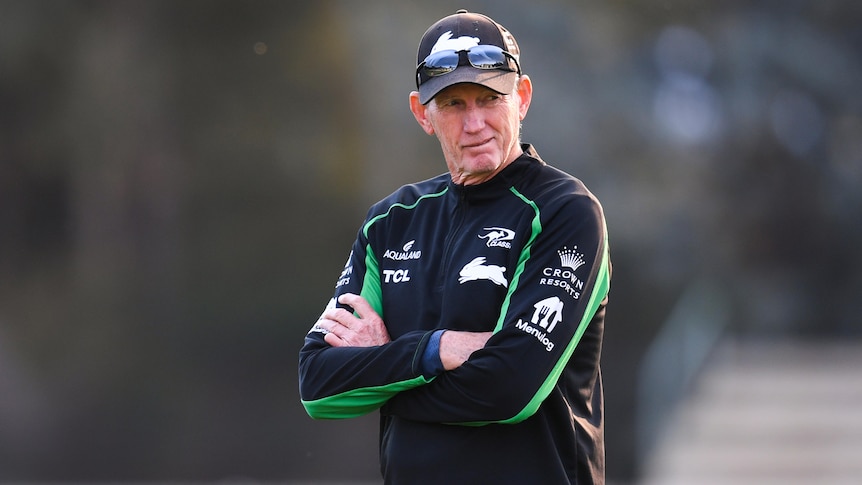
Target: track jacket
524,254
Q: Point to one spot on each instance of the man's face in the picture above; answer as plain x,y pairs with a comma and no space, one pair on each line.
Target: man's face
477,128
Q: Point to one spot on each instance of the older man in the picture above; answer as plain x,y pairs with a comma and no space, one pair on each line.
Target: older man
470,312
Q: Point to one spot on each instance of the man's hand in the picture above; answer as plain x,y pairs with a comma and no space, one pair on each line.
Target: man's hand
456,346
348,330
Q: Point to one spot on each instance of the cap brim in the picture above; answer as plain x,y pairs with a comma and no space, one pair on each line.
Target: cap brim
501,81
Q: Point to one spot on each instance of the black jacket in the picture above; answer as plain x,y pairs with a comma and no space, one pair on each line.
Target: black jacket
524,254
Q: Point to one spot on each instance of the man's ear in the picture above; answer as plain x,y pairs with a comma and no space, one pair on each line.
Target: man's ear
420,112
525,94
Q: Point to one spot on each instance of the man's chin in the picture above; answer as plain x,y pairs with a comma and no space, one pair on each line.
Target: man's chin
481,163
478,171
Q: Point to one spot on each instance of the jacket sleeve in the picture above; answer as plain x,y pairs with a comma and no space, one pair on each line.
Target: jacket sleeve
551,322
344,382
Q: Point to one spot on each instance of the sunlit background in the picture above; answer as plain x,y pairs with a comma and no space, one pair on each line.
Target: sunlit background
180,183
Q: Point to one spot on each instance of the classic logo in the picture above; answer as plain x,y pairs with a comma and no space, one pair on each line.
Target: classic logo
405,254
564,277
445,42
478,270
547,314
498,237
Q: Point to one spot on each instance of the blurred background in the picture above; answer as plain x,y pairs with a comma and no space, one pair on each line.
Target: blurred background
180,183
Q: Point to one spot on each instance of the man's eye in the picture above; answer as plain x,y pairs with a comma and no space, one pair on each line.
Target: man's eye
489,100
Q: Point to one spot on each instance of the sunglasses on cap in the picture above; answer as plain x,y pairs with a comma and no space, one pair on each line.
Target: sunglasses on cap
487,57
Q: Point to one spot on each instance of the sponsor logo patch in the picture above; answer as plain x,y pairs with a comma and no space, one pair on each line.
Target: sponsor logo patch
346,272
546,315
564,276
396,275
316,328
406,253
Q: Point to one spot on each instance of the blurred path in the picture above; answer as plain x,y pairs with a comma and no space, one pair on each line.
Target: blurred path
787,412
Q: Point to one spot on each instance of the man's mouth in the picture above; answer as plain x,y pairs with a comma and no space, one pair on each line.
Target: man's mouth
478,144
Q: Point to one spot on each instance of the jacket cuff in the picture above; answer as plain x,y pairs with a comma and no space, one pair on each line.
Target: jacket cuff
430,363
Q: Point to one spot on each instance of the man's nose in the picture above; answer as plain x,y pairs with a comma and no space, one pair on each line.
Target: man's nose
474,119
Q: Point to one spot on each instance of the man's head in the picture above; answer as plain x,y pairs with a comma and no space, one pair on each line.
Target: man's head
466,47
471,95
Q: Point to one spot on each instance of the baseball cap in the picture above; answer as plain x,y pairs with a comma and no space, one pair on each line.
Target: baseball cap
482,39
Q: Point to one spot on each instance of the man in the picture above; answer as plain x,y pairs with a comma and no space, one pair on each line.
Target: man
471,309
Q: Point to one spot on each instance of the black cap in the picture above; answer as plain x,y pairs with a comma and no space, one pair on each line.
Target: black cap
461,31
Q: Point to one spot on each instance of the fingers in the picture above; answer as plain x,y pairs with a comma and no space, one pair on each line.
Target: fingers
364,329
338,335
339,316
335,340
359,304
346,317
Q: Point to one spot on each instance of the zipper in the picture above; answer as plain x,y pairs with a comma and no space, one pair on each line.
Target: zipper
458,218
